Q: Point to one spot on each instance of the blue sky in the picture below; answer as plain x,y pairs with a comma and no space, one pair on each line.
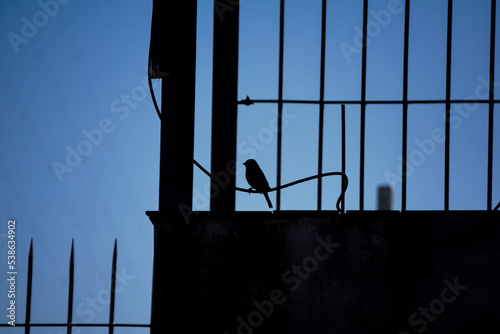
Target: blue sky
76,83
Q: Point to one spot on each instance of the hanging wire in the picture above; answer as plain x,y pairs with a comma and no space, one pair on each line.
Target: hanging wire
150,73
344,178
345,181
150,70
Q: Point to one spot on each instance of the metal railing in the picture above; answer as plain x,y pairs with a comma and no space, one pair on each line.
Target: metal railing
69,325
404,102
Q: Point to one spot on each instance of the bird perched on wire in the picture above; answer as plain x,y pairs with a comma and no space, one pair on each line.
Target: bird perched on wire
256,179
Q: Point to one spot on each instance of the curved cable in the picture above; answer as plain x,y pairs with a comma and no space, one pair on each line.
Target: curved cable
344,188
150,72
150,69
345,180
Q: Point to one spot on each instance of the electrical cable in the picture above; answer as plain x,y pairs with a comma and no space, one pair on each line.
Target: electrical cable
150,72
345,183
345,180
150,69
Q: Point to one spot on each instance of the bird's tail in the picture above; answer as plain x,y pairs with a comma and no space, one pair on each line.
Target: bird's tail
268,200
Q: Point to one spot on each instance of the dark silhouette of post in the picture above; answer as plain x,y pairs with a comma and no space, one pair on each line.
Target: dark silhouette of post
224,105
173,58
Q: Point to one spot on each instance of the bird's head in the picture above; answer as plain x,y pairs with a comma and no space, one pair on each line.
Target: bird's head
250,162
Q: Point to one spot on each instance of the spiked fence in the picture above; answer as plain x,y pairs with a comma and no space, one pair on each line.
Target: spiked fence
69,325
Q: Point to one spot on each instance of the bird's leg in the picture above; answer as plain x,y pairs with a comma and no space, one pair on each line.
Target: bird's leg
249,193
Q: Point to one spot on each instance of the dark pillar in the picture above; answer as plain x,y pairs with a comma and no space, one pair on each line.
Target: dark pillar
173,53
224,104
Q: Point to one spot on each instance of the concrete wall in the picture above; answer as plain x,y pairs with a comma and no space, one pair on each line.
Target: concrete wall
319,272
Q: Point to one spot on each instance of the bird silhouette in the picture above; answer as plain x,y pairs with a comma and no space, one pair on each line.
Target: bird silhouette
256,179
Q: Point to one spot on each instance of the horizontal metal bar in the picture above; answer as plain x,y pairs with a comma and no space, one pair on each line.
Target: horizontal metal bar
249,102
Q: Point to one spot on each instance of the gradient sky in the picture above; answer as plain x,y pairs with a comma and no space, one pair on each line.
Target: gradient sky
84,68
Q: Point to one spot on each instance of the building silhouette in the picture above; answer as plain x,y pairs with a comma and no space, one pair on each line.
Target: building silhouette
224,271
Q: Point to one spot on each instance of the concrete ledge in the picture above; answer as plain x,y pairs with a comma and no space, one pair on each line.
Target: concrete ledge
321,272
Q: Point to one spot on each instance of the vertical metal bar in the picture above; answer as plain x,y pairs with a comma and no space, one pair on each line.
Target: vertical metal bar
321,103
405,105
342,185
174,34
280,104
71,285
491,105
363,110
224,105
112,297
448,109
28,292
